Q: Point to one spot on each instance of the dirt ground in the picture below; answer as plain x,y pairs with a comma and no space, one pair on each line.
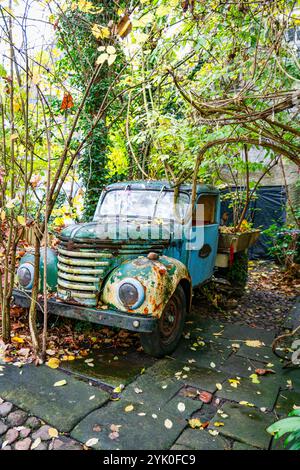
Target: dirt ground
267,300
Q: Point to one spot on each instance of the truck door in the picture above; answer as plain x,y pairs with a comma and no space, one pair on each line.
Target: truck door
205,224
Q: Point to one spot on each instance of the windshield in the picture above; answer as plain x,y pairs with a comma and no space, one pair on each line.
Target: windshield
143,203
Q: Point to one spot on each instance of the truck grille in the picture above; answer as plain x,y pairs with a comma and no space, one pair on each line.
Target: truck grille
80,274
83,264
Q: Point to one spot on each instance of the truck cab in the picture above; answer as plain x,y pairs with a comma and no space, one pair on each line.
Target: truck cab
135,264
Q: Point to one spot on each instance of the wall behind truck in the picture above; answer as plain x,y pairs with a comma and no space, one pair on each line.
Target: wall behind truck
268,208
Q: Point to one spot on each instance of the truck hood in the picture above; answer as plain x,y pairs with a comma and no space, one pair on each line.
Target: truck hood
108,229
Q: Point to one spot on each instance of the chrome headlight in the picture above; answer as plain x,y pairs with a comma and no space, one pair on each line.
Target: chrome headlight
130,293
25,274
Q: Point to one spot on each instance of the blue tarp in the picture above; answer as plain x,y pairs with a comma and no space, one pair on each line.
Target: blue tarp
268,208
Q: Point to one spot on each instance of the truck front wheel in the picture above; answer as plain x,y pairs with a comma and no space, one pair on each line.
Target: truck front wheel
164,339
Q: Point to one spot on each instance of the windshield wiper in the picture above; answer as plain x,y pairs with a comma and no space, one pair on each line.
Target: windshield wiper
121,200
157,200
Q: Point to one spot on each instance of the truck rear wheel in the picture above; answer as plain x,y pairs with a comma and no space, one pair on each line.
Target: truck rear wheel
164,339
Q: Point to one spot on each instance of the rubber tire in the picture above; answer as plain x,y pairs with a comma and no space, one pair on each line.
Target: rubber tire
152,343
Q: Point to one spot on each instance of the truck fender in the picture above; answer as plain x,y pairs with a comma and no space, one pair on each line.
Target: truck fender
28,260
158,278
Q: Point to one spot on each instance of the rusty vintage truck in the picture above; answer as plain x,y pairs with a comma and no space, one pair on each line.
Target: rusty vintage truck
136,264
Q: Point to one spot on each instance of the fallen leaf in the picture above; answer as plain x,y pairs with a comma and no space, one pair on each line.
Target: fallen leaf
53,432
53,363
234,382
264,371
219,386
212,365
213,432
168,424
36,443
118,389
254,379
254,343
60,383
113,435
206,397
115,427
181,407
246,403
138,390
128,408
16,339
92,442
97,428
218,424
195,423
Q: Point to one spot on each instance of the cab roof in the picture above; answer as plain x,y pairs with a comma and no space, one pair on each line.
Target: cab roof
158,185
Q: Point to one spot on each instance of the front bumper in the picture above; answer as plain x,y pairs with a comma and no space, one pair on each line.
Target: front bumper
102,317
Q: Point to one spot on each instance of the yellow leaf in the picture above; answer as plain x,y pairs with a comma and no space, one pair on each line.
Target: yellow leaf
2,215
219,386
128,408
21,220
218,424
53,363
60,383
254,379
100,32
254,343
195,423
234,382
246,403
53,432
16,339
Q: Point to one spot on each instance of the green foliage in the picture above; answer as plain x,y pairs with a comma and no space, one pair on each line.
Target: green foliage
290,426
81,52
284,244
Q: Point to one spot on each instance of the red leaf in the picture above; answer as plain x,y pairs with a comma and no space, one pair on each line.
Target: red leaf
264,371
67,101
206,397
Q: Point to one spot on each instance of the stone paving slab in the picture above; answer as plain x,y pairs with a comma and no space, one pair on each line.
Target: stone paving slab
293,318
235,332
241,366
286,400
32,389
245,424
262,395
241,446
110,366
199,439
289,377
262,354
200,377
154,430
144,389
202,355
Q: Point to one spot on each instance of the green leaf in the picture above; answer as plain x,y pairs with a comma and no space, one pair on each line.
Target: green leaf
283,426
